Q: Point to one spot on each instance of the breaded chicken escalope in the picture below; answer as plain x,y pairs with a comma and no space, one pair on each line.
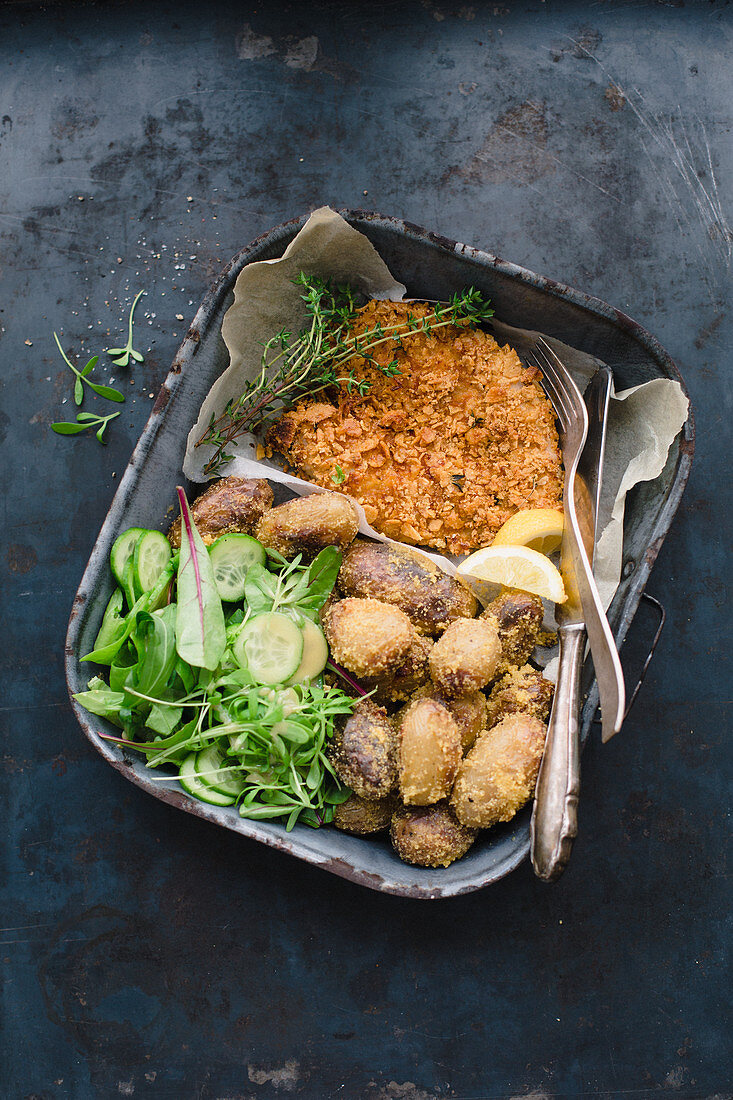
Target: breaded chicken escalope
441,454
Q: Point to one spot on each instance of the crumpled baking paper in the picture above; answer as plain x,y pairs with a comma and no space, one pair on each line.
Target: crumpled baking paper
642,425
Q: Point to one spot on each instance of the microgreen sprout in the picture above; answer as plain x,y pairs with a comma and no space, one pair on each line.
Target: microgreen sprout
82,379
84,421
122,356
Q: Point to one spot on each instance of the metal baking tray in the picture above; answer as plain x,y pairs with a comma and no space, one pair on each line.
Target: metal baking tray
433,267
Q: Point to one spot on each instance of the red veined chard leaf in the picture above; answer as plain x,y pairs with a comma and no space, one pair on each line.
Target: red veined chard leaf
200,630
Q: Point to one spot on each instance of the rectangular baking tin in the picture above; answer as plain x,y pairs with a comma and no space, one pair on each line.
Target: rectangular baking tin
432,267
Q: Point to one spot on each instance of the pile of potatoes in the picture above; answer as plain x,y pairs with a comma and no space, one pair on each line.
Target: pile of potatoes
450,738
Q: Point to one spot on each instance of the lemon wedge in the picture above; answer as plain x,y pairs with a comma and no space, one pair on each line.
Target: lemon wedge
485,571
538,528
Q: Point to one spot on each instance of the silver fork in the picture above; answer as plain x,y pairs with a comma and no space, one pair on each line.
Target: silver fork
554,818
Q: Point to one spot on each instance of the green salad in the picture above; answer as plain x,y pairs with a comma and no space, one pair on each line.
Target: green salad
216,661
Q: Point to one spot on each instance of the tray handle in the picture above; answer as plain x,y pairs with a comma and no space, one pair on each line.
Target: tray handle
659,608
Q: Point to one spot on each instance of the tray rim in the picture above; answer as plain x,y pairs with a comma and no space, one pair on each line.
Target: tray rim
274,836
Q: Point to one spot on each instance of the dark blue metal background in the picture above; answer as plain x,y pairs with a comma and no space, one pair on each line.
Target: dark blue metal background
147,954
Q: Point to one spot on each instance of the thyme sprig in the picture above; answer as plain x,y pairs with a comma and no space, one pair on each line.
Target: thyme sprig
292,368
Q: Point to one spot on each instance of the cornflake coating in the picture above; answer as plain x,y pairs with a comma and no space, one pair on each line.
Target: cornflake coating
233,505
465,659
430,836
363,751
305,525
440,455
409,580
499,774
361,817
520,691
368,637
429,752
517,617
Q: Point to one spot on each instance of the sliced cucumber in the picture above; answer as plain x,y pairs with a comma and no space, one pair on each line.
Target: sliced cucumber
189,779
150,555
122,551
270,646
315,653
231,557
208,767
111,620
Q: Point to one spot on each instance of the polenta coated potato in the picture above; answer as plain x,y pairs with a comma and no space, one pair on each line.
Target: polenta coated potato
519,691
465,659
361,817
429,752
305,525
517,617
368,637
428,596
469,711
412,674
498,775
429,836
231,505
364,751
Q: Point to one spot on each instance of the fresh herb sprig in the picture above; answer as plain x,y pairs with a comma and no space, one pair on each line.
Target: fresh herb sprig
82,379
122,356
317,359
84,421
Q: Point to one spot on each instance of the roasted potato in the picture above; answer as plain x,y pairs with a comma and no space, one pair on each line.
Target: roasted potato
368,637
361,817
231,505
428,596
469,711
430,836
429,752
465,659
517,617
411,674
519,691
305,525
499,774
363,751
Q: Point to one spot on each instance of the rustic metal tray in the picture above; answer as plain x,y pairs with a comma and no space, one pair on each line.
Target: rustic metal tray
431,266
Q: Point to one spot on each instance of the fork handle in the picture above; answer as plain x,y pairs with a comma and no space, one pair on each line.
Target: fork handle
555,815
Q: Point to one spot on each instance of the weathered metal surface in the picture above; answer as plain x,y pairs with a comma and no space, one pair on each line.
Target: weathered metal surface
148,487
148,954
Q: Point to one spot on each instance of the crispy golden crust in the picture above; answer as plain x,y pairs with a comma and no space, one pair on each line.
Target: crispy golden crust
305,525
430,836
429,752
517,617
469,711
443,453
364,751
465,659
411,674
363,818
233,505
428,596
499,774
368,637
519,691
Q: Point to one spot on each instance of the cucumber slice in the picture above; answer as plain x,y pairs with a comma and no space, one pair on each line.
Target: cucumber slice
270,646
110,620
122,551
208,764
315,653
150,555
189,779
231,557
